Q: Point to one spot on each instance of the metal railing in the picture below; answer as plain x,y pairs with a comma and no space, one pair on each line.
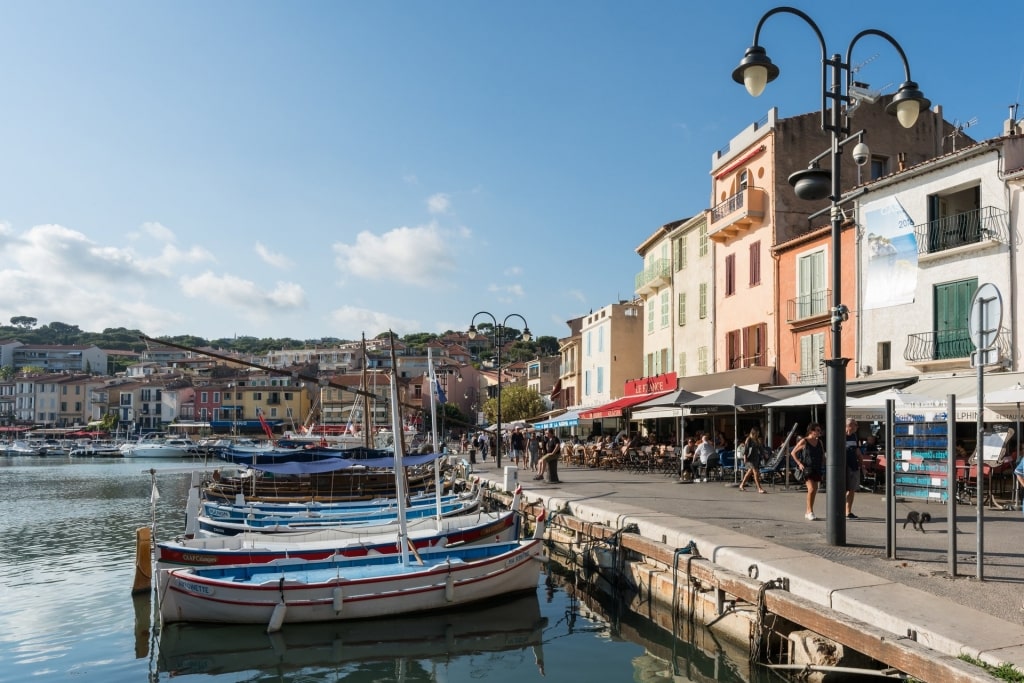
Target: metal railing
948,344
970,227
809,305
659,268
730,204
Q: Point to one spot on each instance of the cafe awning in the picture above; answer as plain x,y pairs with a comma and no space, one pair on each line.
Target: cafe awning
615,408
570,418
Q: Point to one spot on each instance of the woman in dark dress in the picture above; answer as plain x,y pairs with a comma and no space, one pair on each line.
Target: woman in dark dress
809,455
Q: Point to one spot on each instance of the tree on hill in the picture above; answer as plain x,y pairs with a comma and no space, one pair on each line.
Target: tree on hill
24,322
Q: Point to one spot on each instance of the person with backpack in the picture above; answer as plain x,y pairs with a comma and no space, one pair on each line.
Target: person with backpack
753,450
854,465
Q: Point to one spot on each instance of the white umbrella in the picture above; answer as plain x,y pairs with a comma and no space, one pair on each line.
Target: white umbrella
812,397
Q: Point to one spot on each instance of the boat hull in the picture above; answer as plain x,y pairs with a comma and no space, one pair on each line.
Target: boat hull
251,548
305,592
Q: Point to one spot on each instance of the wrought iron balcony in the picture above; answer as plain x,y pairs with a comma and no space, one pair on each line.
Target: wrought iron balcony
808,306
737,213
987,224
938,345
658,274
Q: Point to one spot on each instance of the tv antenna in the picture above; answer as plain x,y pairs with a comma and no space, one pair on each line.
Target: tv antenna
958,129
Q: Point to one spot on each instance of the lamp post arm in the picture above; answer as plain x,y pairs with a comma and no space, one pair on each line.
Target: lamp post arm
881,34
504,323
791,10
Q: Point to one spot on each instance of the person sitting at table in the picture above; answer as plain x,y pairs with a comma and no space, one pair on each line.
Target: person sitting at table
686,460
705,449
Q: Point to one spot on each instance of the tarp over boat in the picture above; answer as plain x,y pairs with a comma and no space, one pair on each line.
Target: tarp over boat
334,464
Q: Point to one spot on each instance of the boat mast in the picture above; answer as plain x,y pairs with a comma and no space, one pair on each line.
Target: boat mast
368,420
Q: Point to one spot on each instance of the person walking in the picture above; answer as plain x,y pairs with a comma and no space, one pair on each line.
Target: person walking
517,443
854,465
753,451
809,455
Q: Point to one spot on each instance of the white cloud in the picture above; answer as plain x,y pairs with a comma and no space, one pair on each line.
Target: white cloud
513,271
158,231
351,321
578,295
243,296
439,203
272,258
419,256
508,290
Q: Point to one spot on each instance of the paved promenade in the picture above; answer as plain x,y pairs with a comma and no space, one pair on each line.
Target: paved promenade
914,591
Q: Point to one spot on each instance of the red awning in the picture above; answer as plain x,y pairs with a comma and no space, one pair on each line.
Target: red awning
615,408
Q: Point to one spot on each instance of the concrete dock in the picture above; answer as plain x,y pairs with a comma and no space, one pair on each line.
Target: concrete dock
913,596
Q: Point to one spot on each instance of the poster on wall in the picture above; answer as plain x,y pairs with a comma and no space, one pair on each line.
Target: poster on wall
891,273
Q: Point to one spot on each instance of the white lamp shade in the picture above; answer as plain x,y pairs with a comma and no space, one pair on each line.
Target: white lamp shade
754,79
907,112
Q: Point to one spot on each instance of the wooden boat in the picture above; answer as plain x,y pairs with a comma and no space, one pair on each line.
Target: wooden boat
325,481
506,625
249,547
226,520
339,589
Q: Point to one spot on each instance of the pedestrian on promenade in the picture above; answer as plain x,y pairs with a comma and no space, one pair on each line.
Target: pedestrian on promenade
809,455
550,450
753,451
518,446
533,449
854,465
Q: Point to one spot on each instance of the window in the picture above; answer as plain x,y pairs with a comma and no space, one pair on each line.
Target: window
666,309
202,397
257,396
679,255
216,397
681,309
755,264
287,395
702,240
600,380
681,369
586,383
702,305
600,339
589,340
884,356
742,178
702,360
730,274
812,357
650,319
754,345
733,349
811,295
879,167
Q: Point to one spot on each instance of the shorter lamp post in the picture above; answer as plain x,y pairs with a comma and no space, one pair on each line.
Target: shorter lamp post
499,339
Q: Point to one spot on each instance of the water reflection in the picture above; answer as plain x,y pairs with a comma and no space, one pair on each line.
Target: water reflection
361,647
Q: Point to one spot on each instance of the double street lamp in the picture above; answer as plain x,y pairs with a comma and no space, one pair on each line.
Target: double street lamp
755,71
499,330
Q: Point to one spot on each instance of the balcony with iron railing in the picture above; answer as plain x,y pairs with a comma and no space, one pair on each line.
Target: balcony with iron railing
809,307
655,276
737,213
978,227
939,349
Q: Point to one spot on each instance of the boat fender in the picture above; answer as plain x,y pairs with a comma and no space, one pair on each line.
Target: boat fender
280,610
449,586
339,599
239,499
277,618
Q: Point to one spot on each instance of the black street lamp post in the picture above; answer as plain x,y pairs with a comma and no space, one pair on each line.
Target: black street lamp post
499,339
755,71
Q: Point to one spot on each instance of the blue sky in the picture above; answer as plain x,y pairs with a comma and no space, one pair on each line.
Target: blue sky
313,169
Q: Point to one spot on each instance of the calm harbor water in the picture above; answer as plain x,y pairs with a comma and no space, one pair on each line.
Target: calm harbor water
67,546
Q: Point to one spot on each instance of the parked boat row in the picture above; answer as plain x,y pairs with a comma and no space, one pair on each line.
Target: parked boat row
287,562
